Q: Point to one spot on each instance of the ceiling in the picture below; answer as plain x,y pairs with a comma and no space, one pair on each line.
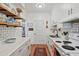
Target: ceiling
30,7
49,7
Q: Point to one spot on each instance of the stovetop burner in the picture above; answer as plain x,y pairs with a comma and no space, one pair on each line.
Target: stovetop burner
77,47
67,42
58,41
68,47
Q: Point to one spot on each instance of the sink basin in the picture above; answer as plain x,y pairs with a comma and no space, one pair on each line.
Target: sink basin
68,47
11,40
58,41
67,42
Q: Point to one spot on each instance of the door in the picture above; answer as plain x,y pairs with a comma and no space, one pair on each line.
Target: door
39,32
39,27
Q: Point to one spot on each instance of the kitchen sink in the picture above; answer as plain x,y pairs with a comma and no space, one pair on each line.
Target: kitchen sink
68,47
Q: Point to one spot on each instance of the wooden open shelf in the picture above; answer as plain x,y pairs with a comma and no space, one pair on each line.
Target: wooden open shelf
6,10
3,23
7,24
14,25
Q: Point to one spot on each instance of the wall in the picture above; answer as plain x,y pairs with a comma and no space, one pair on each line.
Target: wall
32,17
35,18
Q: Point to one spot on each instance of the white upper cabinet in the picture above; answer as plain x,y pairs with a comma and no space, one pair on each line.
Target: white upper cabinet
75,8
65,12
72,14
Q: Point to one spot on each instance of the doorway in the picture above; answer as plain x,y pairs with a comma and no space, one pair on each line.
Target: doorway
39,27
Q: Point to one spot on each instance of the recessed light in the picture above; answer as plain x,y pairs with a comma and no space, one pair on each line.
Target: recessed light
40,5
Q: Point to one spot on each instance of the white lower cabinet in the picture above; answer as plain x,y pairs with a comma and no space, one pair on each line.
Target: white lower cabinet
24,50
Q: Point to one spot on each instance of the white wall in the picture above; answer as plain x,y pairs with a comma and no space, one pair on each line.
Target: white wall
32,17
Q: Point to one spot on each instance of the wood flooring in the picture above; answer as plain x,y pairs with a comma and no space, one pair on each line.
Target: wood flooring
39,50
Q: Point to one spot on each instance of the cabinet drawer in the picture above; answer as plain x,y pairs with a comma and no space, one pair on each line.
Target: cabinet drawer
23,50
15,53
18,51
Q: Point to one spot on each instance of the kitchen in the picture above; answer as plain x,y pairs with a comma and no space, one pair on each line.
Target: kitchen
39,29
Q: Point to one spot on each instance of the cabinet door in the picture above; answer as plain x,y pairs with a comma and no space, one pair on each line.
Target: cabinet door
19,51
75,8
53,51
23,51
16,53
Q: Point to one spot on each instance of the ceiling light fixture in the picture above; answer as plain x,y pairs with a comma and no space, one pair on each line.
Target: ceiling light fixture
40,5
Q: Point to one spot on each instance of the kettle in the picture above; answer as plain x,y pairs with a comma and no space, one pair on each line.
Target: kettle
66,34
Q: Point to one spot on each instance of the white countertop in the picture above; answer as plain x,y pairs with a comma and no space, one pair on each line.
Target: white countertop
9,48
60,49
